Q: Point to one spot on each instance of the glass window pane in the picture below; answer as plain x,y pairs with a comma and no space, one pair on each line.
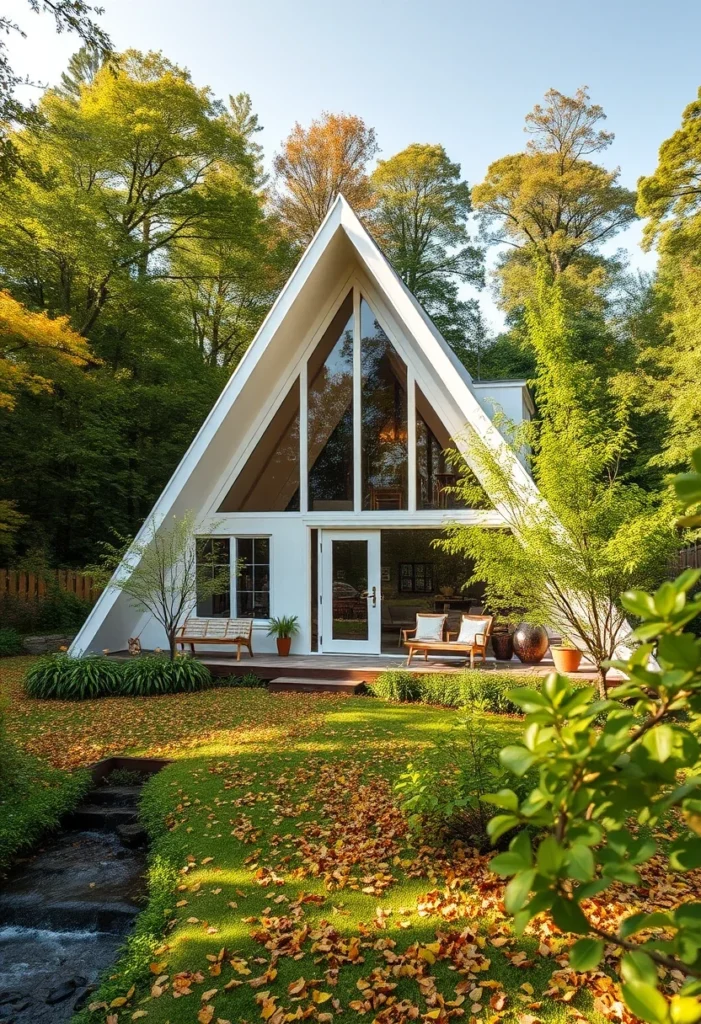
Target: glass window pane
384,418
350,580
436,472
212,563
253,580
330,415
269,482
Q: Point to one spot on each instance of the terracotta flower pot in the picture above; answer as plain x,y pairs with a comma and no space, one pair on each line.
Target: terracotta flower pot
503,646
530,643
567,659
284,643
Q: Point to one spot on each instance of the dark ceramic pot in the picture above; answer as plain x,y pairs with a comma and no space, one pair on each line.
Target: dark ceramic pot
503,646
530,643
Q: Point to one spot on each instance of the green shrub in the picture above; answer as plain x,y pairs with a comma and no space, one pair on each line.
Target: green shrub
58,612
60,677
153,674
10,643
454,689
250,681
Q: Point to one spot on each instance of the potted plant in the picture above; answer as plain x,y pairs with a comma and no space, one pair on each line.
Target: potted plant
283,629
566,656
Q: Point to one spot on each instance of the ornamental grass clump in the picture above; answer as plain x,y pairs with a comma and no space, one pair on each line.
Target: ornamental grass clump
150,675
60,677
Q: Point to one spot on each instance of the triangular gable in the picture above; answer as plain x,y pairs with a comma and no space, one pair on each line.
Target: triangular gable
317,272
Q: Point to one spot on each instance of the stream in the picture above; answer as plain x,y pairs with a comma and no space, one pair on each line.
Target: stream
67,907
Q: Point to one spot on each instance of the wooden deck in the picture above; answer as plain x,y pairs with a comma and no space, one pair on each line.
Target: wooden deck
355,668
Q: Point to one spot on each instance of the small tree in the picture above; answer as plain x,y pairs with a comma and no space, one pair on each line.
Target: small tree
604,765
162,573
565,559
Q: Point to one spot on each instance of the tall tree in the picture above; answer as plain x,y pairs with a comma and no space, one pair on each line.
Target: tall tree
551,202
420,218
670,199
318,162
69,16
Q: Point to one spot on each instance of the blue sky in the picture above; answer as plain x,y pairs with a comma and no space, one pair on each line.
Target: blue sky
460,73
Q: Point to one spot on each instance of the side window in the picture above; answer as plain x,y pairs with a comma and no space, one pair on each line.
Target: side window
213,560
253,577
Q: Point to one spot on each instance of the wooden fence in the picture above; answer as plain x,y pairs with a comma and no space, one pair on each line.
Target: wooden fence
28,586
688,557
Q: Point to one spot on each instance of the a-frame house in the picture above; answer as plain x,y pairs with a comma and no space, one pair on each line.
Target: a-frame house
320,476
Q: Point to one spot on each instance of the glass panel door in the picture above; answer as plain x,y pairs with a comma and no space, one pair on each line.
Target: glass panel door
350,591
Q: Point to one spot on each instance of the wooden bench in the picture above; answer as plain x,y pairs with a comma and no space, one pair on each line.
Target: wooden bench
476,645
216,631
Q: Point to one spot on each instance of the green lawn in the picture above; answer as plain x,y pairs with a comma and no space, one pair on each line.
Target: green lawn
284,884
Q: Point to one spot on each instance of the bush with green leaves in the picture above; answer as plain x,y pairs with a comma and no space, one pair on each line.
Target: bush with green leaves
249,681
153,674
10,643
640,765
470,688
60,677
443,795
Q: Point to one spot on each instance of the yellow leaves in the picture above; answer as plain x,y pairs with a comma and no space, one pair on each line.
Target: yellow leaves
209,994
295,987
138,1014
320,997
207,860
205,1014
157,968
23,330
119,1001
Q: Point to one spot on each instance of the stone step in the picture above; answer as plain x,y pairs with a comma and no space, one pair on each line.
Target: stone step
115,796
293,684
29,910
93,816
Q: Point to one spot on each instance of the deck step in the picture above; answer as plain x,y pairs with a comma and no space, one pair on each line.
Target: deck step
293,684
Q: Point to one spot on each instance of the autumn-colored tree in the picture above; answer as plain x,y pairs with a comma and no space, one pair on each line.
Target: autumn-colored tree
420,219
318,162
552,202
29,340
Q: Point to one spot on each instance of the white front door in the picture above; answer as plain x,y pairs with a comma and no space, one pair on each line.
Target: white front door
350,591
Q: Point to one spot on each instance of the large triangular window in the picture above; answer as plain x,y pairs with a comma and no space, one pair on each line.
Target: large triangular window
384,434
269,482
330,415
440,470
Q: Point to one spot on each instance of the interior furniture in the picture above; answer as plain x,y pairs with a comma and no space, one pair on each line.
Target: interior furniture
399,617
216,631
386,498
471,640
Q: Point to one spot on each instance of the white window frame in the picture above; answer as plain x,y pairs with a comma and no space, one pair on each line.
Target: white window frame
234,539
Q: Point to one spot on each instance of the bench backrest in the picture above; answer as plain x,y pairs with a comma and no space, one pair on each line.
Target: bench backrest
215,629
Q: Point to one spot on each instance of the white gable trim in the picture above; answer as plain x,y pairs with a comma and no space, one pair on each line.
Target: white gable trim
405,323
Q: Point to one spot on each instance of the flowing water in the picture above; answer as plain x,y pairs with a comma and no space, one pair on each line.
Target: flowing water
66,909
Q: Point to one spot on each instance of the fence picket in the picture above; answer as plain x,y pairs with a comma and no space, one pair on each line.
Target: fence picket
28,586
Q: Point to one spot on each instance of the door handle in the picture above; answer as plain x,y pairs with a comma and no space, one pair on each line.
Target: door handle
371,594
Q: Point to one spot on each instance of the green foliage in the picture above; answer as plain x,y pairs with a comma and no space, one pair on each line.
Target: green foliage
249,681
10,642
471,688
169,550
60,677
640,765
420,219
59,612
284,626
550,203
150,675
564,561
33,797
450,804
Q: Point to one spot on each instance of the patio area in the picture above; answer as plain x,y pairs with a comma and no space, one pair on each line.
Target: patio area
359,668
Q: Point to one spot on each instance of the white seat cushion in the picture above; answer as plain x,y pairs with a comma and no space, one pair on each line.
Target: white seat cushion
430,627
469,628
